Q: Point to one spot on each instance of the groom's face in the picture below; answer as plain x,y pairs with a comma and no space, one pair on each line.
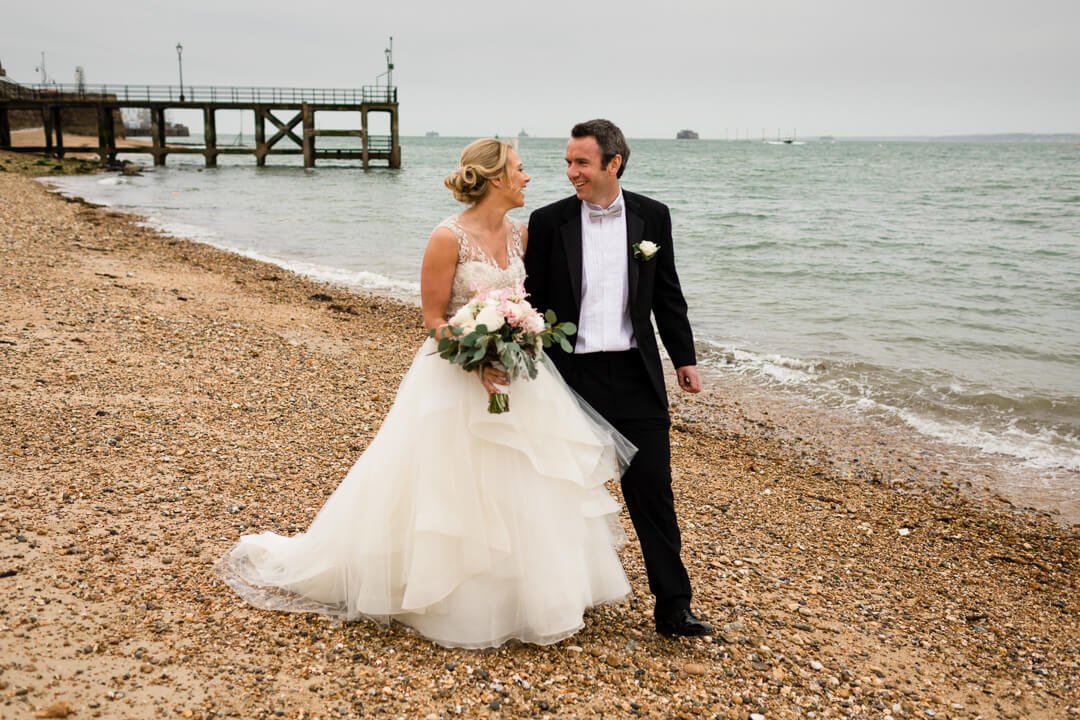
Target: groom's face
592,182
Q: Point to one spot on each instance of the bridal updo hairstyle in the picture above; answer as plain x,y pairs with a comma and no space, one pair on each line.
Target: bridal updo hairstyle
481,162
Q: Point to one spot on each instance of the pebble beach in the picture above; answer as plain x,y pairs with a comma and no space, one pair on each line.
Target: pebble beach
160,397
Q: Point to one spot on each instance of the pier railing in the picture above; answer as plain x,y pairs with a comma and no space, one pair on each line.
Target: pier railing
206,93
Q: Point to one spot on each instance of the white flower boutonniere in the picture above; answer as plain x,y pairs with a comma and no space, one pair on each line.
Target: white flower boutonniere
645,250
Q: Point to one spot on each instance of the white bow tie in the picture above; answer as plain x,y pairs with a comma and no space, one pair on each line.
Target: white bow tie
597,213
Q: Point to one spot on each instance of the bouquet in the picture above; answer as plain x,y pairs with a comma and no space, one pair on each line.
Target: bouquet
500,329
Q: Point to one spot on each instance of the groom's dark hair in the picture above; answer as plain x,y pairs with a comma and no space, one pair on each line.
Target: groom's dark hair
609,137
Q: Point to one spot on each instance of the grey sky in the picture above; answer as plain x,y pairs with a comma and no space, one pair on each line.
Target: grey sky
839,67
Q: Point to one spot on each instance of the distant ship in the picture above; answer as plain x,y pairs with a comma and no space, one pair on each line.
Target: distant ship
793,140
523,134
431,133
686,135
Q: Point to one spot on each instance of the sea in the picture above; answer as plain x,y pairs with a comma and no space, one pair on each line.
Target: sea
907,304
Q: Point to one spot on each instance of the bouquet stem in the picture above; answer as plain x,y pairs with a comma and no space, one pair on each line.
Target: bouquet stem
498,403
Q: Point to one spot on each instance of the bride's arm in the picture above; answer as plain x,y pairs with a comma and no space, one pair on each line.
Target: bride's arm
437,276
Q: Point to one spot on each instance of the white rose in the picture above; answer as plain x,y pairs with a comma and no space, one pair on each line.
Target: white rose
647,248
491,318
462,316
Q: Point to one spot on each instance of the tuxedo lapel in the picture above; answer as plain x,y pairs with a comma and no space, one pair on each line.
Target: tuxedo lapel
635,231
571,237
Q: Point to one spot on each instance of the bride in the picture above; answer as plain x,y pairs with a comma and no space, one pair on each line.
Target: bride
470,527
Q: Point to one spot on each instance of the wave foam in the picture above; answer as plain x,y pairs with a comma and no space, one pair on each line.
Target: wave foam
989,427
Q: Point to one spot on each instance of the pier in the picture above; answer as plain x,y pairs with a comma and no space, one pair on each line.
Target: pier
288,113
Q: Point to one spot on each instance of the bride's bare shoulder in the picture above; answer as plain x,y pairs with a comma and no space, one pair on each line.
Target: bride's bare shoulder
444,244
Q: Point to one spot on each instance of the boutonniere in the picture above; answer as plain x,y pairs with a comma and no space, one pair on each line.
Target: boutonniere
645,250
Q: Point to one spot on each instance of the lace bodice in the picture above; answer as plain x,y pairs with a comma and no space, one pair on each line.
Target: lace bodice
476,270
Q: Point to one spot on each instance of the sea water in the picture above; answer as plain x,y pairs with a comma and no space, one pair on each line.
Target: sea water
931,289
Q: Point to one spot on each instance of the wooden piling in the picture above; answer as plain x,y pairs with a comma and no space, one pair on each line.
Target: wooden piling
365,148
106,135
157,134
58,128
5,128
210,136
309,136
395,148
260,136
46,122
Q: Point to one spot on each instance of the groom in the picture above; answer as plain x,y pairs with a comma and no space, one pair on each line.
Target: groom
603,259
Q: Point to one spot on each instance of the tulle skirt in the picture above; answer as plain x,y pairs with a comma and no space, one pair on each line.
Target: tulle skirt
470,527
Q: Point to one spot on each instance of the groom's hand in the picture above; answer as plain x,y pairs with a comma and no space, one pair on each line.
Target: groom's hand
688,378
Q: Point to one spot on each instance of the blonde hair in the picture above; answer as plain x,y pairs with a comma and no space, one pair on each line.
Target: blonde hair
481,161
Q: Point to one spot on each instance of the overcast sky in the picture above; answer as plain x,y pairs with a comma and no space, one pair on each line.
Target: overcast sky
837,67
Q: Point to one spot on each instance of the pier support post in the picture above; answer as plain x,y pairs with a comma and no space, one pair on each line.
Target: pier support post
210,135
46,123
59,127
365,152
157,134
395,148
5,128
106,135
102,138
309,136
260,136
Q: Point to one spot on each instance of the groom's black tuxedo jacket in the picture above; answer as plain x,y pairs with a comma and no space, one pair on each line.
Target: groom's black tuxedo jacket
553,261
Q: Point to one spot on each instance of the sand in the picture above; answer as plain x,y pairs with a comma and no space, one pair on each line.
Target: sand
160,397
35,137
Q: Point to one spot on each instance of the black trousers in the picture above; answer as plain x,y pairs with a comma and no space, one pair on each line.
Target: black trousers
616,384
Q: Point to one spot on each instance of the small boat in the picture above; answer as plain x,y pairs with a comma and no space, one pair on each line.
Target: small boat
783,141
431,133
686,135
523,134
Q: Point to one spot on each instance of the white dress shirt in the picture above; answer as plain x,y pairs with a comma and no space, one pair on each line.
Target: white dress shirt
604,324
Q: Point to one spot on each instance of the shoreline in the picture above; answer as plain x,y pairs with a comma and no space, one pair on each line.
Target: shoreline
865,449
882,436
163,396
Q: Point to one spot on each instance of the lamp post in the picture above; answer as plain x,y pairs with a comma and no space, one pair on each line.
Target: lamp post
180,65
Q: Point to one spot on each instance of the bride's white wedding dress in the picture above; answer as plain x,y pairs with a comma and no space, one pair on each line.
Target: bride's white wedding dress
470,527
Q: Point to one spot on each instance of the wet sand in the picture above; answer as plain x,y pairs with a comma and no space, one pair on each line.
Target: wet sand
159,397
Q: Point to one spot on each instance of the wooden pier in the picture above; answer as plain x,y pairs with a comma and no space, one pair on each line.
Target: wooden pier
290,113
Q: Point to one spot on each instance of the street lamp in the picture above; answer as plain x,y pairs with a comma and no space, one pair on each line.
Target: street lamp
180,64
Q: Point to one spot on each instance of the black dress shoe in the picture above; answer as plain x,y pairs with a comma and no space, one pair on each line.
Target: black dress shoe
684,623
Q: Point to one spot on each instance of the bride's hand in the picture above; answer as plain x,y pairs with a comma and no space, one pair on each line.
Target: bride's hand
495,381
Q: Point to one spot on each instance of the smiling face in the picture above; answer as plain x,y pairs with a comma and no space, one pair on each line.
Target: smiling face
516,179
592,182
